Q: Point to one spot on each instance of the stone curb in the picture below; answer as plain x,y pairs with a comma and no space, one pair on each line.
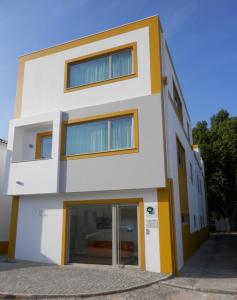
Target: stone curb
202,290
20,296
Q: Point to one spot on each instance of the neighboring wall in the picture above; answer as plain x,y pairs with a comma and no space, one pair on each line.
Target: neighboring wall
5,202
195,181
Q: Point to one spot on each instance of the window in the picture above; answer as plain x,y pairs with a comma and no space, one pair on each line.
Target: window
191,172
43,145
188,131
99,68
101,135
178,103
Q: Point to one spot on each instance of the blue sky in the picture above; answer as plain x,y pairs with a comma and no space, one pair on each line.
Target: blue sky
201,34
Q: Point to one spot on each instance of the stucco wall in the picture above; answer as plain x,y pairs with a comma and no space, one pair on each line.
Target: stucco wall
43,85
43,215
5,202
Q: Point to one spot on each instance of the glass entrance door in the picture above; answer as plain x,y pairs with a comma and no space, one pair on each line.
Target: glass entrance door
103,234
127,237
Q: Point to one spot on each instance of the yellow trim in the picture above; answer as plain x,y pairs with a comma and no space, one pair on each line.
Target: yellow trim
167,231
3,247
134,149
139,201
13,227
152,23
38,143
132,46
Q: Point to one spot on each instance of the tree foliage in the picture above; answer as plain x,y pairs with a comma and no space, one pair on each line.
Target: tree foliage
218,146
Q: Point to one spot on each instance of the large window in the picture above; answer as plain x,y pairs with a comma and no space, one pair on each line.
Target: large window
100,68
100,135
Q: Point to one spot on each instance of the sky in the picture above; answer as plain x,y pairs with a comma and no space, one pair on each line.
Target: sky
201,34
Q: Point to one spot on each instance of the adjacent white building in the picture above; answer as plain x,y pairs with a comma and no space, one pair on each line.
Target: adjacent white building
5,202
100,157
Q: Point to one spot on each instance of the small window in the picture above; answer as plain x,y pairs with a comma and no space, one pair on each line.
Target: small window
178,103
100,68
191,172
188,131
44,145
99,136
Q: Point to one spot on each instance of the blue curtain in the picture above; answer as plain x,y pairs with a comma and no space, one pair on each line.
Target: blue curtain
87,138
121,133
46,147
89,71
122,63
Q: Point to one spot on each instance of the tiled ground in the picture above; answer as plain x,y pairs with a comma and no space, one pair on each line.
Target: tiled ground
17,277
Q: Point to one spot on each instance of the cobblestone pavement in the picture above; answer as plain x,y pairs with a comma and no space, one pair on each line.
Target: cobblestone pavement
17,277
160,292
213,267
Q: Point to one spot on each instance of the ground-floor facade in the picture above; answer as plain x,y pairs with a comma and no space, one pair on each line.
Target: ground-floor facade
134,228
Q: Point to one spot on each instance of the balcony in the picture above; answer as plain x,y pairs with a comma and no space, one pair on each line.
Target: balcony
33,162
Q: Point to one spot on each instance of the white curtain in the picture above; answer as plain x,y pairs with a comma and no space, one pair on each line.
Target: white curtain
89,71
87,138
122,63
121,133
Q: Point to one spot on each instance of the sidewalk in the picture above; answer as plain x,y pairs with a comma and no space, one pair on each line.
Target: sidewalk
213,268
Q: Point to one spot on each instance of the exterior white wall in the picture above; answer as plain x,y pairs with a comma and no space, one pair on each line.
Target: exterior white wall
5,202
39,229
174,130
32,176
46,93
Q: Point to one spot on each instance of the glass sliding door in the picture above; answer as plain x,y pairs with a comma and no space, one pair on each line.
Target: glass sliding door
91,234
103,234
127,237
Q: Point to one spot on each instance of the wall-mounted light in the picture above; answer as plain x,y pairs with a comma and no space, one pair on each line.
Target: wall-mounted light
20,182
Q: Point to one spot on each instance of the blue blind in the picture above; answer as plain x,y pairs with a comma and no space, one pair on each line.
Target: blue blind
87,138
46,147
101,68
99,136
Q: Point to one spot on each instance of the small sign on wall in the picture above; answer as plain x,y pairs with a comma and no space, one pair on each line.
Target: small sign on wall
151,212
152,223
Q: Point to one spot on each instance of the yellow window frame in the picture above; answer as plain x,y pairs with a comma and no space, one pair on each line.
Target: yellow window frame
39,137
132,46
134,149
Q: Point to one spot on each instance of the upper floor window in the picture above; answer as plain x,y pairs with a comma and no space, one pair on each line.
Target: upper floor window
101,135
191,172
44,145
178,103
100,68
188,131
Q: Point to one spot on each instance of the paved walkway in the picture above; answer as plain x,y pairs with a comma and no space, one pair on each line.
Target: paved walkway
18,278
213,268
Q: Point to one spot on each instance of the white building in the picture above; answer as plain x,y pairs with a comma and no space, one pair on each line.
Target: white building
5,202
101,162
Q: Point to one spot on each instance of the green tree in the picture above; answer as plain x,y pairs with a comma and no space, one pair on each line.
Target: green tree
218,146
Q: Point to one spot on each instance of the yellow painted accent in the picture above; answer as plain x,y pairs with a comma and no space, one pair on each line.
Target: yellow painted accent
134,149
132,46
3,247
19,88
13,227
68,204
152,23
39,137
167,233
155,56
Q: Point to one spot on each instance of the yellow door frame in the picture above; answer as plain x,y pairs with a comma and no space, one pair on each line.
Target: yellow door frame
141,237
